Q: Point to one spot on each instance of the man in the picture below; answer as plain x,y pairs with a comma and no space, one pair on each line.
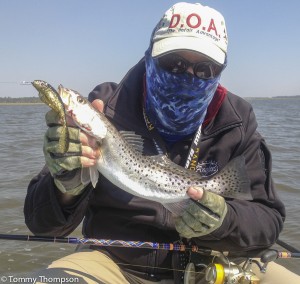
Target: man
173,99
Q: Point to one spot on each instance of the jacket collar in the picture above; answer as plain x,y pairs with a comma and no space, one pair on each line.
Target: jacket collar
225,119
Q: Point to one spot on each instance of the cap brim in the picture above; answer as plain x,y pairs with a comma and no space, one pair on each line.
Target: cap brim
203,46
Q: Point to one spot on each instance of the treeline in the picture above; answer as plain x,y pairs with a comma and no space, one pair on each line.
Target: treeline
287,97
23,100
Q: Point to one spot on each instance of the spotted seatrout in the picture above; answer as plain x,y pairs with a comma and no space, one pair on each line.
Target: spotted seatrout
50,97
152,177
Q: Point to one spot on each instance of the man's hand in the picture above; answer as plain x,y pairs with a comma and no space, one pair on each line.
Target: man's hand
204,215
83,152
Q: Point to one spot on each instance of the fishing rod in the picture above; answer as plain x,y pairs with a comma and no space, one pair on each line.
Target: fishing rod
110,243
133,244
221,270
287,246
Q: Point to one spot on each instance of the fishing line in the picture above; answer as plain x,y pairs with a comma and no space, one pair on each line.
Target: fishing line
16,82
157,267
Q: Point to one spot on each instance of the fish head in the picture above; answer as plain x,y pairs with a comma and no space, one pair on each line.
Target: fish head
43,87
40,85
83,113
48,95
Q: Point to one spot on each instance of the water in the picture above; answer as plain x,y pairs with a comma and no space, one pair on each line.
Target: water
21,156
21,139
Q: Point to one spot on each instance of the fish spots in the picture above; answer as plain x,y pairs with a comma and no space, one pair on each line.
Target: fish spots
161,179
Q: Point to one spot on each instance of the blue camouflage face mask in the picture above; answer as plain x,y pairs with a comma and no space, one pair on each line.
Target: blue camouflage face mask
176,104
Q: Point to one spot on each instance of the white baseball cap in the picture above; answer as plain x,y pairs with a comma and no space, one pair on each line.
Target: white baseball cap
187,26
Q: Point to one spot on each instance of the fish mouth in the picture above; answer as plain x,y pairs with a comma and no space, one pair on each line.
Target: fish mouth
65,97
60,89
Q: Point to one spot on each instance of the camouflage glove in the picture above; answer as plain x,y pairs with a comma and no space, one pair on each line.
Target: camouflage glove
65,168
202,217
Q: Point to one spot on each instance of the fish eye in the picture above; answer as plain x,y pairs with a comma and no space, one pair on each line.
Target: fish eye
80,100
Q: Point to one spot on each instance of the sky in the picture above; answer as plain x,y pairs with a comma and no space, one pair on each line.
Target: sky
80,44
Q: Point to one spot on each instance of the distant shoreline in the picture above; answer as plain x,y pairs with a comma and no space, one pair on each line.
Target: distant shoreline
19,104
20,100
8,101
272,98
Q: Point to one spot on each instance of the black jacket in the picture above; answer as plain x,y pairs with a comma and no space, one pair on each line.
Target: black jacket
110,213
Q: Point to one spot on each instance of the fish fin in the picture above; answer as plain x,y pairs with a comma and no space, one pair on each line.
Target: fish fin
158,148
94,175
163,160
134,140
238,183
88,175
177,208
85,176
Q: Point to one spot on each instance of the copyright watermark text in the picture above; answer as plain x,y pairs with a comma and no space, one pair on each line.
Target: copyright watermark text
39,279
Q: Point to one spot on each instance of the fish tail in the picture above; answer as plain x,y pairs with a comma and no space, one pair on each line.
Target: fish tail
237,182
